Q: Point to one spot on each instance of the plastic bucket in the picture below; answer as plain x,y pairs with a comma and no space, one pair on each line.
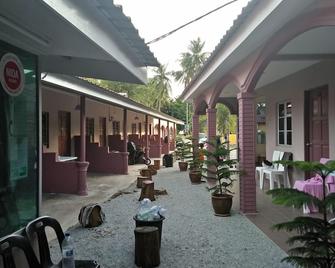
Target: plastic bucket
157,223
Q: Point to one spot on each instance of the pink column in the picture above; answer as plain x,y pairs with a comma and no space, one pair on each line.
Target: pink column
82,165
146,136
211,124
168,135
125,140
159,137
195,130
82,129
247,154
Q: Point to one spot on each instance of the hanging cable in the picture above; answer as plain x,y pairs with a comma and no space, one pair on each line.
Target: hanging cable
188,23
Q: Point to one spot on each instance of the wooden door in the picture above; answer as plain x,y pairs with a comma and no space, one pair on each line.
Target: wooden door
64,136
102,131
89,130
317,138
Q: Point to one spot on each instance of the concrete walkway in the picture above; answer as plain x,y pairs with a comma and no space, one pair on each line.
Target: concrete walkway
192,235
65,207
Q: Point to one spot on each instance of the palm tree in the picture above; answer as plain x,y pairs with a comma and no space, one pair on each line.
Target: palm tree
191,61
161,82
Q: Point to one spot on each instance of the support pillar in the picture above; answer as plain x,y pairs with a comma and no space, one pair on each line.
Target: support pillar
195,131
168,135
211,124
146,136
82,157
247,151
159,138
82,165
125,141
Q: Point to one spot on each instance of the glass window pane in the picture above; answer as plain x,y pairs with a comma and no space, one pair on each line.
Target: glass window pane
281,123
288,108
18,149
281,110
281,139
289,123
289,138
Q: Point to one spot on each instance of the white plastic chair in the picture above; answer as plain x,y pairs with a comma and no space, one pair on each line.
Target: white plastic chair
259,170
278,171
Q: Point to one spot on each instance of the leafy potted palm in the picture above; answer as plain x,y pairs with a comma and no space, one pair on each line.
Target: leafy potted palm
315,236
220,168
183,152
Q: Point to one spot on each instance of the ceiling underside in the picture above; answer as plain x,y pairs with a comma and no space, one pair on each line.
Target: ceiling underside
302,52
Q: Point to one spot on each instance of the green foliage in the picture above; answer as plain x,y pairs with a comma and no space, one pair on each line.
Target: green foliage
183,147
195,163
219,167
315,236
225,122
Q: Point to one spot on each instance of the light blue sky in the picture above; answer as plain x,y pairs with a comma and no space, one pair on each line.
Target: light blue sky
156,17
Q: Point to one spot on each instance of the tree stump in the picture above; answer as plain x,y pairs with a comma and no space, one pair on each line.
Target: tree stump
140,180
157,164
148,190
146,173
147,246
153,169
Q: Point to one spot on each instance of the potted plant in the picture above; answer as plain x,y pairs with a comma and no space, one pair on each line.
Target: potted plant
315,236
183,152
219,168
195,165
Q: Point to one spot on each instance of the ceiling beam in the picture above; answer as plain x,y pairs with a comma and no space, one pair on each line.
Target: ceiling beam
303,57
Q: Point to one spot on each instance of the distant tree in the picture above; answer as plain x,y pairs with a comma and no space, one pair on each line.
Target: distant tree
191,61
162,83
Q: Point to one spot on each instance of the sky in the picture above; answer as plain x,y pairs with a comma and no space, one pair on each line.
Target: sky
153,18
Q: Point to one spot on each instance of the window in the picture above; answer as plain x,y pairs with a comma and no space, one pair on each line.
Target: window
45,129
133,128
284,114
19,188
116,127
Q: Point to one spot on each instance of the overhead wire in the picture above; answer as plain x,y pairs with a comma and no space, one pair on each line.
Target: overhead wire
190,22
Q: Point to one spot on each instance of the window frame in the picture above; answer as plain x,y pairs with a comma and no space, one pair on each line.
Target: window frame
285,117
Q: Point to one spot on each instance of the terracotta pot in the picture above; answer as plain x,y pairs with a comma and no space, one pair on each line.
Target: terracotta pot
183,166
153,169
222,204
195,176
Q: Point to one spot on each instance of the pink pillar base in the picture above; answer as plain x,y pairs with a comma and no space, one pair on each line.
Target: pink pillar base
82,177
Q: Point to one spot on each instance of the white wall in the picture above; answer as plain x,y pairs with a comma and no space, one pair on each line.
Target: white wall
292,89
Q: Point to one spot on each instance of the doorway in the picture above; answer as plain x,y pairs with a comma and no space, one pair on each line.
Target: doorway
64,130
316,124
102,131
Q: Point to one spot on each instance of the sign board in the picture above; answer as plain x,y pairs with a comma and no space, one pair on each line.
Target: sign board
11,74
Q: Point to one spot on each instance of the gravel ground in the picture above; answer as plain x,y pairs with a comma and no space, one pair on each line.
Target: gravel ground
192,235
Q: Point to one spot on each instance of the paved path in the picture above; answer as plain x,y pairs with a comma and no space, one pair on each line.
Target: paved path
192,235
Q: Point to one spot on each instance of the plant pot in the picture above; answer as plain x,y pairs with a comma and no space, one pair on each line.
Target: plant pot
183,166
222,204
146,172
195,176
157,223
157,164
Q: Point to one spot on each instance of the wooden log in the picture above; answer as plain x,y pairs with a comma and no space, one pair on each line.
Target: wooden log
145,172
147,246
153,169
140,180
148,190
157,164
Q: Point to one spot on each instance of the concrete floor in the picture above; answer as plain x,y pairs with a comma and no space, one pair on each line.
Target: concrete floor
65,207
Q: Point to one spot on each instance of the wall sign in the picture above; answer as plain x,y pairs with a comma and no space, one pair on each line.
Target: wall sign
11,74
